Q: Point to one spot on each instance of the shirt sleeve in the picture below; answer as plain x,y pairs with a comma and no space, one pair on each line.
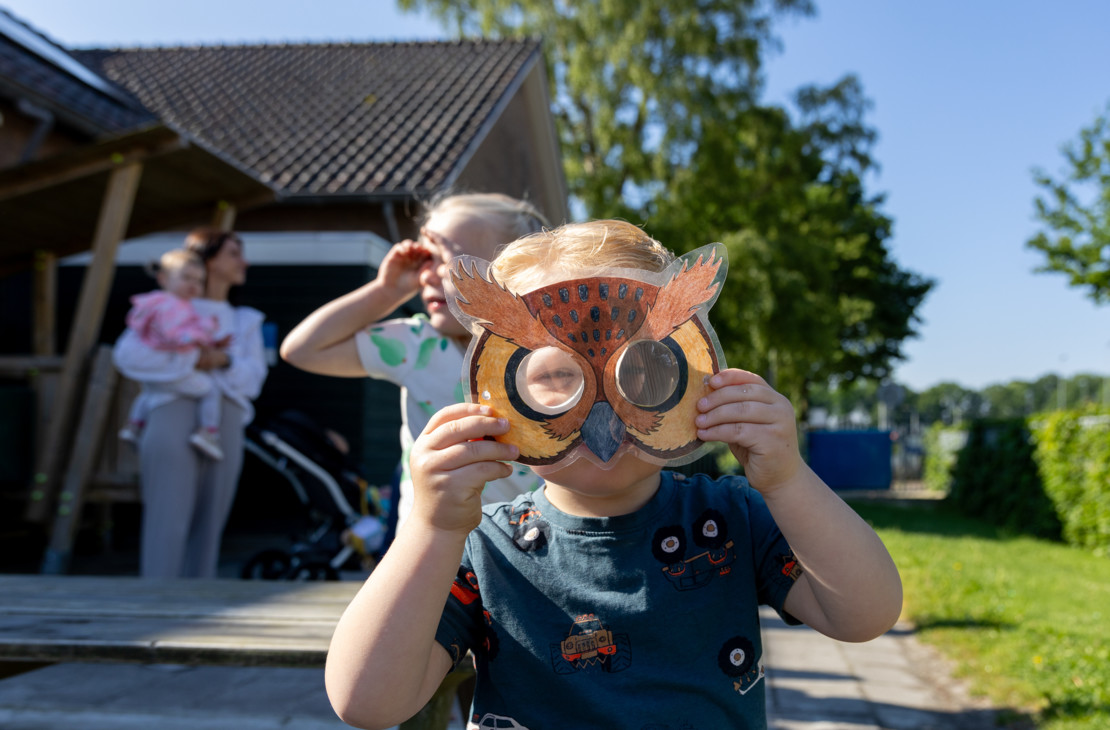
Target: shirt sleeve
389,350
775,565
248,354
462,626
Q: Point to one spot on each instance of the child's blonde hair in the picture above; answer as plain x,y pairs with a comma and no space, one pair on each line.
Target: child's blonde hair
174,260
577,250
508,218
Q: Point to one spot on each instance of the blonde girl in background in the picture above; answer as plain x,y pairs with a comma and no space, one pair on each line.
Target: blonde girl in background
421,354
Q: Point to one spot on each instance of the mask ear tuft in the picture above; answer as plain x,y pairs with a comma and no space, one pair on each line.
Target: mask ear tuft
695,283
481,303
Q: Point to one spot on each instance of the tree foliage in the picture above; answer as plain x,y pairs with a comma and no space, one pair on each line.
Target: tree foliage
951,403
1075,210
660,121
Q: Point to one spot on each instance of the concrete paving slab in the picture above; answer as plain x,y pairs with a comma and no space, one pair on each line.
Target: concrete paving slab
817,683
812,683
167,697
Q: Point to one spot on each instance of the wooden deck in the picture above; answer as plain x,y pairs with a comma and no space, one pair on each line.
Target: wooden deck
216,622
191,623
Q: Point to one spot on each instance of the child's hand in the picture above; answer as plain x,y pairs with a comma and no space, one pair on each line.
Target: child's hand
451,462
756,422
211,358
222,343
401,267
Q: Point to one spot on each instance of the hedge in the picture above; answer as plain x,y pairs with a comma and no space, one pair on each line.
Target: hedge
1073,456
1047,476
942,445
995,478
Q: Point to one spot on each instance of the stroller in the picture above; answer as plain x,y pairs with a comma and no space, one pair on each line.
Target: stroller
347,515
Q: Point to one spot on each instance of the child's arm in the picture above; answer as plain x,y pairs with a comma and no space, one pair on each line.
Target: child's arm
324,342
384,663
849,588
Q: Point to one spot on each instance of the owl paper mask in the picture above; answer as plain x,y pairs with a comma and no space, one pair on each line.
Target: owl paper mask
594,366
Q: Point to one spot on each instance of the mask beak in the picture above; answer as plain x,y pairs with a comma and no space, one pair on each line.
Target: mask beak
603,432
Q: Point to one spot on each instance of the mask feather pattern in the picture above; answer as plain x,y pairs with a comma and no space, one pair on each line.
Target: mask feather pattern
500,311
691,287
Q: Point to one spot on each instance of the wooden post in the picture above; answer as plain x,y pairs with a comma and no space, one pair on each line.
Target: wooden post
224,217
115,212
86,449
43,298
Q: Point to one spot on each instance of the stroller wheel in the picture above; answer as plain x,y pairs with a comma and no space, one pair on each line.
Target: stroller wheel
314,570
267,565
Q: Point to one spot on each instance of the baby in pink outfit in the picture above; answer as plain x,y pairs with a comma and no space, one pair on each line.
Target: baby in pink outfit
166,320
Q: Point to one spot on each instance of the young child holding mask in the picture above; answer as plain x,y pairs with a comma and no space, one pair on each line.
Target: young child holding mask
583,603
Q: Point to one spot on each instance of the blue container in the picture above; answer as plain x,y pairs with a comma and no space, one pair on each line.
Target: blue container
852,459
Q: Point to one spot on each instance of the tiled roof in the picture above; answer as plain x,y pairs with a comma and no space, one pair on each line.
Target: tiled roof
35,68
362,119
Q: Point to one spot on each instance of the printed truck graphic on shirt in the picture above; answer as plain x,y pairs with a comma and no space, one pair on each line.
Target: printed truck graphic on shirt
715,557
588,643
491,721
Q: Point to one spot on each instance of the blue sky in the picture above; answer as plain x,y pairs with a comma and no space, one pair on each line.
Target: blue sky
968,99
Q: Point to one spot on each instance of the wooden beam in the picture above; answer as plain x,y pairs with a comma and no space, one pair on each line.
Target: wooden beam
40,179
22,366
44,290
86,450
190,216
119,197
224,217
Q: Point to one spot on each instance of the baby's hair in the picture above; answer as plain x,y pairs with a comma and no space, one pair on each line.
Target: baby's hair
174,260
507,217
577,250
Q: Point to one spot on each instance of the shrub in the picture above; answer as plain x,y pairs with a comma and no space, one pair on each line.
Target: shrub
942,444
996,479
1073,456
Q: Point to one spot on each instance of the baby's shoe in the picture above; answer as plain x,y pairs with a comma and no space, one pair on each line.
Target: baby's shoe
207,443
131,433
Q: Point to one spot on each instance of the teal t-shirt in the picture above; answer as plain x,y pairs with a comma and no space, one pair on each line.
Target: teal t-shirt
642,621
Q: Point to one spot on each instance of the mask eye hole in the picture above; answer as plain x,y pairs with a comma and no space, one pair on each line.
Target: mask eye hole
549,380
647,373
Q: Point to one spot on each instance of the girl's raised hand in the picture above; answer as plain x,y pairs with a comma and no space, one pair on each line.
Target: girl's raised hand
756,422
451,462
401,267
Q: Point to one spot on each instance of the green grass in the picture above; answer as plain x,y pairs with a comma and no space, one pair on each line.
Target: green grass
1027,621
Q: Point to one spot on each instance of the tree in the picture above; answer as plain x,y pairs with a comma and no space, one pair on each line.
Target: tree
657,107
814,291
1075,209
948,403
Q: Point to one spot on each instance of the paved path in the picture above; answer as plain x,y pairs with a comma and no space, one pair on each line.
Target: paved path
812,683
891,683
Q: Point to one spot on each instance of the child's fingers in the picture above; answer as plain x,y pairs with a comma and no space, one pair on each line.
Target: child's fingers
472,451
411,253
735,376
741,411
481,472
455,412
746,435
744,392
459,433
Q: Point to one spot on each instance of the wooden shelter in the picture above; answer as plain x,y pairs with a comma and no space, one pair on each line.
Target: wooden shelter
99,146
